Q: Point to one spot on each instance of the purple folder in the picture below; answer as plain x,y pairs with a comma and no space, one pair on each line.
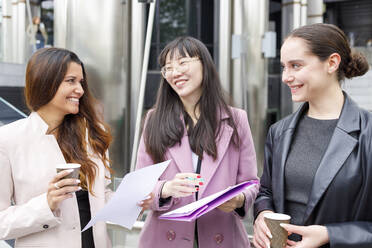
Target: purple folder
196,209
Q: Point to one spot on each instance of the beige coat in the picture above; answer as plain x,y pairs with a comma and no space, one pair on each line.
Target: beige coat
27,163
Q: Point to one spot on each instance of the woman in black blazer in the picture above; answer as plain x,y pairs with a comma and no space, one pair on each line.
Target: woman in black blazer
318,162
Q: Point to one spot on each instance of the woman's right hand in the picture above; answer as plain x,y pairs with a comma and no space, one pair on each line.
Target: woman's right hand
262,234
182,185
60,189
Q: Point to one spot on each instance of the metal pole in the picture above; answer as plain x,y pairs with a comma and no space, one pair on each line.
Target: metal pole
143,84
225,45
315,11
29,11
15,31
7,38
29,16
303,12
21,32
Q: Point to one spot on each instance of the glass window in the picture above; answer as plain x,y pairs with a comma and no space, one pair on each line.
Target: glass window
174,18
47,17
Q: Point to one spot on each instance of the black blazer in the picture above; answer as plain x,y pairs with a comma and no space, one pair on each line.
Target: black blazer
341,195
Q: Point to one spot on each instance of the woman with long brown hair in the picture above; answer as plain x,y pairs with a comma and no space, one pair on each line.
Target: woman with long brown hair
193,125
37,206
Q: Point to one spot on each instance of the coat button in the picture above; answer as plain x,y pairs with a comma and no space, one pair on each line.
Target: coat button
171,235
218,238
46,226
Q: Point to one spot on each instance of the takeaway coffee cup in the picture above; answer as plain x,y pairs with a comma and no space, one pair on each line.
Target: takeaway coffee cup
75,167
280,235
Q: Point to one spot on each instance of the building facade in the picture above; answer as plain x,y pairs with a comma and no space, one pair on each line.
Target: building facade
243,37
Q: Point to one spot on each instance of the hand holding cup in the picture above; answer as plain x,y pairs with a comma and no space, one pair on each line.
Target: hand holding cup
279,234
63,185
261,235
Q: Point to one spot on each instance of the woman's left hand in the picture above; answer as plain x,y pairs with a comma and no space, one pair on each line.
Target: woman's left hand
312,236
146,203
232,204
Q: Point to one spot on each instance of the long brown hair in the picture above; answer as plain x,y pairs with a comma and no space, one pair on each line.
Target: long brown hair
164,126
79,132
325,39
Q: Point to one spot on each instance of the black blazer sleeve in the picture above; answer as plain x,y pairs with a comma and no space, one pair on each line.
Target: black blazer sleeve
356,234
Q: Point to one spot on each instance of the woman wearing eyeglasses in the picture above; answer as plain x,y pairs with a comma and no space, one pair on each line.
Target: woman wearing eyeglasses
211,148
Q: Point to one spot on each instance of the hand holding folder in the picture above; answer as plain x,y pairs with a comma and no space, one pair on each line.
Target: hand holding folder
196,209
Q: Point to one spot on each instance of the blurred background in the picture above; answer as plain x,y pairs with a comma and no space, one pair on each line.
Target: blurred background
243,37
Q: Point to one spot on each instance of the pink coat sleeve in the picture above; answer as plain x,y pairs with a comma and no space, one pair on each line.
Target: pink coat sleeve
144,159
247,159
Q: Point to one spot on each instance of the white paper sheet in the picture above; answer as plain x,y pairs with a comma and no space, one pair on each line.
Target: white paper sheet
122,209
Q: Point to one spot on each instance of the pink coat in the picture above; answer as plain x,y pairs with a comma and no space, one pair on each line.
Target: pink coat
27,163
232,166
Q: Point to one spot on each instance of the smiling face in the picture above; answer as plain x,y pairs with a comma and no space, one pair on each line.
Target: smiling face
66,99
305,74
186,76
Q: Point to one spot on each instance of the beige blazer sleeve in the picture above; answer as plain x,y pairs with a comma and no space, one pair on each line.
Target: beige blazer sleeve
21,220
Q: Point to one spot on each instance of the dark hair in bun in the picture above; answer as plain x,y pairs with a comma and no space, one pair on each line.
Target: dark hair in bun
325,39
357,66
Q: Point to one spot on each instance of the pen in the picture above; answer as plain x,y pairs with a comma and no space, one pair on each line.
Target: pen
192,178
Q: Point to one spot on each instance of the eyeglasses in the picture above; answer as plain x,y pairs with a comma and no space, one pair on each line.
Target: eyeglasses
182,66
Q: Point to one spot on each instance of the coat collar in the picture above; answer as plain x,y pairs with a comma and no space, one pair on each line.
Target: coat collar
181,153
338,150
348,120
37,123
209,165
37,131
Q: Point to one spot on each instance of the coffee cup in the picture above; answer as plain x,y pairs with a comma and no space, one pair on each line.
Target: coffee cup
279,234
69,166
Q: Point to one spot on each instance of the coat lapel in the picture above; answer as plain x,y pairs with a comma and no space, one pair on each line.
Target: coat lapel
279,197
40,127
209,166
338,150
181,154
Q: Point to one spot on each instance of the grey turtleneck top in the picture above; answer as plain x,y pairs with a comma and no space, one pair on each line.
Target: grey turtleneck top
309,144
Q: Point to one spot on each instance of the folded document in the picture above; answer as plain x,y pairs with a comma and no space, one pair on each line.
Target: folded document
196,209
